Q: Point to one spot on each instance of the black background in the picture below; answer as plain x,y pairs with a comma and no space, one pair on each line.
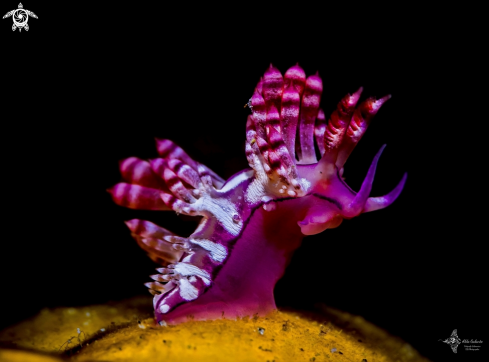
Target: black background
88,86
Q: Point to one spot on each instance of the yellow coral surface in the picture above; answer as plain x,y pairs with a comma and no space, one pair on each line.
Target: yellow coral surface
125,331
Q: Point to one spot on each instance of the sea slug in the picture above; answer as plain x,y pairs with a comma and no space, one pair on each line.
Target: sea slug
252,223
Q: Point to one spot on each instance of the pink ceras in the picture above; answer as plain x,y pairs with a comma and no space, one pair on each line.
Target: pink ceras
252,223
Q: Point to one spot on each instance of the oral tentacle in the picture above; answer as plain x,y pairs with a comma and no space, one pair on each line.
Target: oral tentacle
381,202
356,206
309,111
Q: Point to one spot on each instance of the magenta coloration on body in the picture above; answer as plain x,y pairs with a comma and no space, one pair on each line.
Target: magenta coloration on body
252,223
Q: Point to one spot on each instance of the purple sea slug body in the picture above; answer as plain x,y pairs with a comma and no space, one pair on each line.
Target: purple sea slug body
252,223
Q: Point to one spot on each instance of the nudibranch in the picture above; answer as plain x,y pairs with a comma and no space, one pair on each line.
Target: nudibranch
252,223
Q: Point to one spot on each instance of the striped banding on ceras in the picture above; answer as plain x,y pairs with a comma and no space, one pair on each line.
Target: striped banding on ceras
169,150
272,94
357,126
339,121
309,110
147,229
319,130
290,112
178,205
275,155
150,238
294,83
280,160
256,159
205,176
176,186
158,242
185,172
295,100
263,146
139,172
259,111
137,197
